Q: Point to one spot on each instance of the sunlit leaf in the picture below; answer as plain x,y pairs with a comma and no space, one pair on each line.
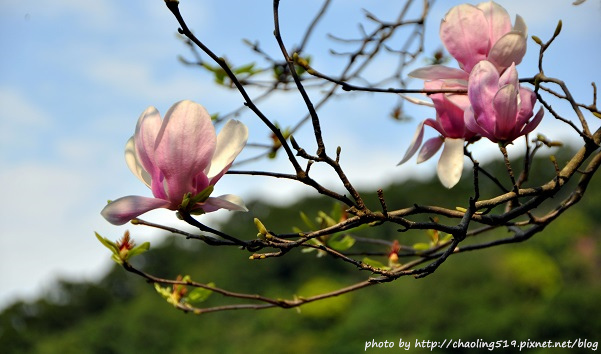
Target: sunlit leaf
199,295
341,242
447,237
248,68
164,292
307,221
138,250
421,246
108,243
374,263
325,219
336,212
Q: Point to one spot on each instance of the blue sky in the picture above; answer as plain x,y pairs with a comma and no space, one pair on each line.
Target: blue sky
75,75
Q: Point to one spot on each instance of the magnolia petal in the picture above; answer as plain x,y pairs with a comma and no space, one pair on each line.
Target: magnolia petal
227,201
447,84
520,26
505,104
417,101
122,210
134,164
462,33
435,72
434,124
498,19
415,143
450,116
482,88
431,147
534,122
200,183
526,107
147,129
509,77
472,125
526,110
510,48
450,164
460,100
230,141
184,146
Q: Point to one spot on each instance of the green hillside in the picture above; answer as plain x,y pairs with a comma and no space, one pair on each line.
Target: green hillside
547,288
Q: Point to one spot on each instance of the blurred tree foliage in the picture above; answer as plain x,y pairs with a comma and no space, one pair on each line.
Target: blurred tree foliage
547,288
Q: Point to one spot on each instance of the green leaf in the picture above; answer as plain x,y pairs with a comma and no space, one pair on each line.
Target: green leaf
202,196
336,212
138,250
220,77
278,71
307,221
301,64
434,236
316,242
326,219
198,211
421,246
164,292
374,263
446,238
199,295
117,259
185,201
359,228
341,242
108,244
248,68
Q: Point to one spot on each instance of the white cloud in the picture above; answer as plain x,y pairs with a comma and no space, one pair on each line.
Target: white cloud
16,109
21,122
41,224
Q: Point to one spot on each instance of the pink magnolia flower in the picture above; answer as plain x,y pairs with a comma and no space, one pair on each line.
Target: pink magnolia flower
453,132
179,157
500,108
474,33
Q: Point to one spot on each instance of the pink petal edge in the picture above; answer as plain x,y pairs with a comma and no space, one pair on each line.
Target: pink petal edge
415,143
430,147
122,210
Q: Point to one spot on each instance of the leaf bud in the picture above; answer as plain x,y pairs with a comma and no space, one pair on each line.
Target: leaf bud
557,29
